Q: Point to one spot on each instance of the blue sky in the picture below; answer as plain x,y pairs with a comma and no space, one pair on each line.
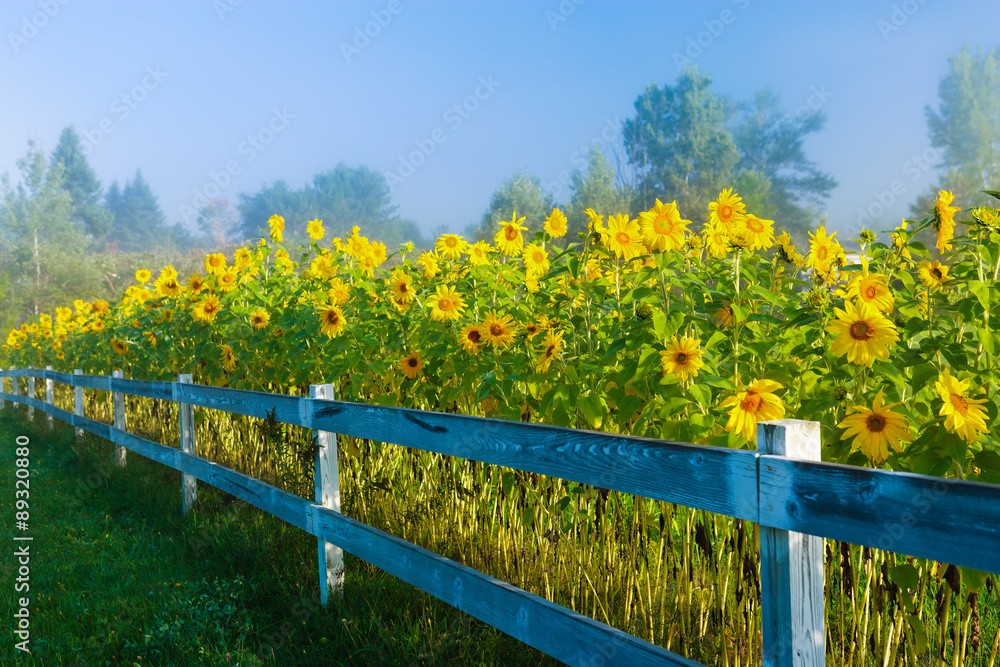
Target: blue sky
185,90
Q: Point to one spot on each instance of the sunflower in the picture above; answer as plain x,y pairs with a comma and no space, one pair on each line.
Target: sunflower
723,317
875,429
196,283
119,347
215,263
429,262
227,280
168,272
259,318
662,227
536,260
823,250
498,330
756,403
401,287
787,251
716,240
863,334
933,274
150,338
509,238
411,365
339,292
314,228
479,253
143,275
472,338
555,224
451,246
277,225
761,232
206,309
872,288
332,320
228,358
944,220
726,210
623,237
446,304
963,415
167,286
552,347
682,358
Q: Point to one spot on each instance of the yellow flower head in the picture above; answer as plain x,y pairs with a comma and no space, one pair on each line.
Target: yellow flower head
536,260
509,238
944,220
206,309
471,338
727,210
215,264
824,251
662,227
143,276
552,347
875,429
451,246
411,365
498,330
755,403
555,224
682,358
479,253
872,288
401,287
277,226
228,358
314,228
429,262
624,237
446,304
259,318
963,415
332,321
787,251
933,274
863,334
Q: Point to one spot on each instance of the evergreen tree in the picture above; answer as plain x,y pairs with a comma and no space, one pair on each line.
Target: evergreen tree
138,219
82,184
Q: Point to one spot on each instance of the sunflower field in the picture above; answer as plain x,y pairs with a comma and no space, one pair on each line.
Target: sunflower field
656,327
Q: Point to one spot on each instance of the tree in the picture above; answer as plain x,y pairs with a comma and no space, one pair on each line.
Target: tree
42,250
679,145
82,184
773,169
138,219
966,129
218,221
522,193
596,190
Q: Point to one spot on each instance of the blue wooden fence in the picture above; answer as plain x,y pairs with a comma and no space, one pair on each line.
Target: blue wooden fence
940,519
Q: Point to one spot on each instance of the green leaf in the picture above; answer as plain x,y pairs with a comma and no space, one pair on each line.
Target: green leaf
592,409
507,482
988,460
973,579
981,291
905,576
918,634
986,340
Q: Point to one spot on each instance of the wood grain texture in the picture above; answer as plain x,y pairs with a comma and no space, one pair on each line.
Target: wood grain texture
950,521
78,400
3,381
149,389
327,494
49,398
119,418
791,565
31,393
189,485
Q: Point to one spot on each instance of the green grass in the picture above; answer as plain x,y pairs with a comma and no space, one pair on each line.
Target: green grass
120,577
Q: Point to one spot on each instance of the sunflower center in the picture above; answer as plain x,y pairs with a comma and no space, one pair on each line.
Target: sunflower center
662,224
451,243
681,358
412,362
402,287
550,350
821,254
751,402
755,225
875,423
510,233
496,329
444,303
474,336
332,317
870,292
862,330
960,404
725,212
623,238
538,257
936,274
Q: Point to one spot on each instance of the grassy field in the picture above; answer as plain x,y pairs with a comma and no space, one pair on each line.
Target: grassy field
120,577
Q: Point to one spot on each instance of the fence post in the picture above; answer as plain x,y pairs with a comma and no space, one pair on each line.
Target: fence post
78,402
327,476
49,397
189,484
119,409
31,393
2,390
791,564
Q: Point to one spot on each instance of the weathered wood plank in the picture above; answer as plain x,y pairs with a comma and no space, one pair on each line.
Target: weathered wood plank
31,393
286,409
78,400
3,380
327,478
791,565
946,520
147,388
119,417
189,487
49,397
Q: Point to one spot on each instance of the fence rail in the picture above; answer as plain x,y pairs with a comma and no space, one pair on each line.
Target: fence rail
947,520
